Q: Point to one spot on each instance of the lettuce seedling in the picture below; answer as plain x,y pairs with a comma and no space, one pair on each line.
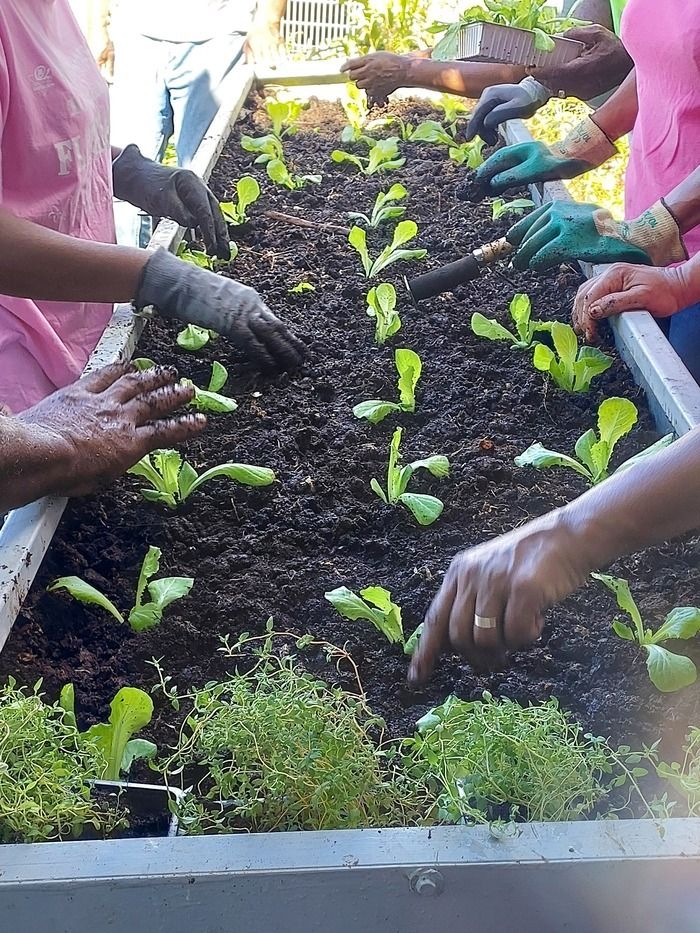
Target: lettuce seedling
195,257
381,305
301,288
355,106
667,671
430,131
130,710
143,615
404,232
520,309
454,109
173,480
283,115
373,604
267,147
383,209
571,368
616,418
408,366
470,154
193,337
425,509
413,639
209,399
278,172
499,207
247,193
383,156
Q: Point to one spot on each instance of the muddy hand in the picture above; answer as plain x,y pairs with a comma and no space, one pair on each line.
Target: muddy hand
379,73
97,428
196,296
603,65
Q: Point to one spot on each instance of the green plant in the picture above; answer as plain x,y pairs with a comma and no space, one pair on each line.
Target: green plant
685,776
193,337
283,115
381,305
354,103
667,671
373,605
383,156
481,756
301,288
408,366
454,109
195,257
616,418
278,171
45,772
267,147
383,208
499,207
430,131
209,399
173,480
247,193
571,368
470,154
520,310
404,232
130,710
143,615
394,25
539,16
413,639
424,508
276,749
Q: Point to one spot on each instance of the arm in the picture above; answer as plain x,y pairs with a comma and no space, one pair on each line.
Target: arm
264,40
515,578
617,116
593,11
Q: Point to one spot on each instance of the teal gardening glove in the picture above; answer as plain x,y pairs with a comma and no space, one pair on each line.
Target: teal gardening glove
584,148
563,231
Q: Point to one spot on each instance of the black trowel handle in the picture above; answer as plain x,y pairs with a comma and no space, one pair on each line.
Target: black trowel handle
444,279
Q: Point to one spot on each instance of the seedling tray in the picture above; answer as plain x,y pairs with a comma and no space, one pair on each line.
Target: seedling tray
539,878
489,42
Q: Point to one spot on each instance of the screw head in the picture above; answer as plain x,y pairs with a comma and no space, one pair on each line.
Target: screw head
427,882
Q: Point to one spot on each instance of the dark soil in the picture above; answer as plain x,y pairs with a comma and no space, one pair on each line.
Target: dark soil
275,551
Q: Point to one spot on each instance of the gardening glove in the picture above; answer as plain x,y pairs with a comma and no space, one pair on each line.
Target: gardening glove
584,148
189,293
177,193
563,231
505,102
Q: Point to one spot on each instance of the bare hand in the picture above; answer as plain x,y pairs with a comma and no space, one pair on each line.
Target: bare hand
511,579
105,60
97,428
264,44
602,65
627,287
379,73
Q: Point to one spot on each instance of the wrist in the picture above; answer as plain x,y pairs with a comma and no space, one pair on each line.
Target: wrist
537,92
586,142
656,231
684,282
44,461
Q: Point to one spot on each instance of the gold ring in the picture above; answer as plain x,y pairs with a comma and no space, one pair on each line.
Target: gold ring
485,621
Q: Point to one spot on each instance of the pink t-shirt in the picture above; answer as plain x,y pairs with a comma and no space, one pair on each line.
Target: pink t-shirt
663,38
55,170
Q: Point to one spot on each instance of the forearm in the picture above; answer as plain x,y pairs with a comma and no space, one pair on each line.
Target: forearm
269,12
655,501
593,11
30,466
469,79
44,265
617,116
684,202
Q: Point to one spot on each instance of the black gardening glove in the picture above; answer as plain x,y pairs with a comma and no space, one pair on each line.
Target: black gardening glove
177,193
505,102
196,296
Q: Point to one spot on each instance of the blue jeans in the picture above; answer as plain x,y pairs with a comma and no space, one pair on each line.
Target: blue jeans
683,332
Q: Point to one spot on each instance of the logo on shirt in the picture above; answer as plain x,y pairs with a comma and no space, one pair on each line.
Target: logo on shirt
42,79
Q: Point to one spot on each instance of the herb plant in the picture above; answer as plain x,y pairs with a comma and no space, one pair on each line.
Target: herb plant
409,367
520,309
570,367
209,399
267,147
404,232
173,480
499,207
130,710
193,337
383,156
247,193
616,418
383,208
143,615
424,508
283,115
278,171
667,671
684,776
381,305
374,605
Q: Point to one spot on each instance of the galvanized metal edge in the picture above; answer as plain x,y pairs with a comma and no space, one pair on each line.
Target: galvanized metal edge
28,532
672,393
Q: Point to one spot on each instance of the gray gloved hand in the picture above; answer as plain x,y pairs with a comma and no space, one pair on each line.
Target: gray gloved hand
181,290
177,193
505,102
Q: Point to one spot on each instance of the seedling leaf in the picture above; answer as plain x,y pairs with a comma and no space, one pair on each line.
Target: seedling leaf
85,593
425,509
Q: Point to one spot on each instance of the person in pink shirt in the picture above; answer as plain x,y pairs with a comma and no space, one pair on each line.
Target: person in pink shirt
60,272
659,103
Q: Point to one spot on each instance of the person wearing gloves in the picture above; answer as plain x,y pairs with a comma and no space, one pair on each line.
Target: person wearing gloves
59,270
494,596
84,436
662,182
